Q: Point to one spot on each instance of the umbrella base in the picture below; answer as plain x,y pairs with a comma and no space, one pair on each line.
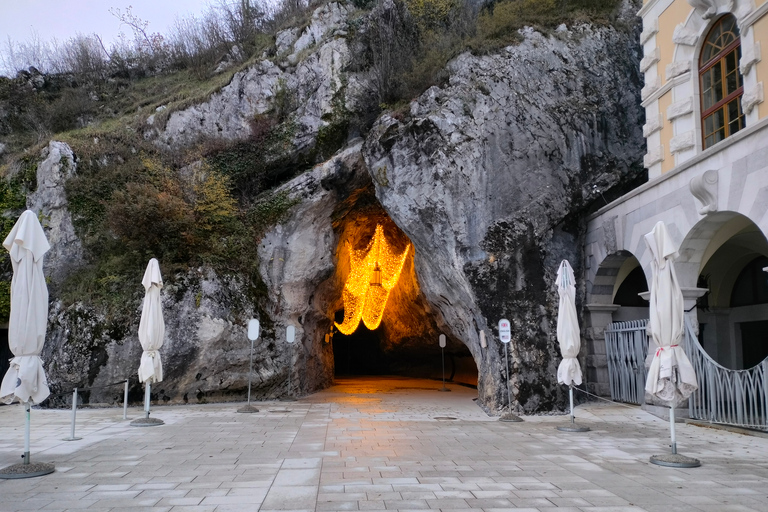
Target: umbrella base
444,389
511,418
248,409
572,427
675,460
27,470
72,439
147,422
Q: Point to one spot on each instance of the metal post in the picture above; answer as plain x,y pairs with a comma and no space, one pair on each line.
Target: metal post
74,413
74,418
125,401
570,393
509,395
26,434
672,427
250,374
442,357
290,371
146,398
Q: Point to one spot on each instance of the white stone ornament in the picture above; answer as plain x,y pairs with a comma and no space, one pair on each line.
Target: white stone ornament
654,156
685,36
704,188
652,125
682,142
677,68
708,8
752,97
680,108
751,55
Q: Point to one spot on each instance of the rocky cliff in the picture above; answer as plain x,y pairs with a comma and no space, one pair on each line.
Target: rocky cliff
487,176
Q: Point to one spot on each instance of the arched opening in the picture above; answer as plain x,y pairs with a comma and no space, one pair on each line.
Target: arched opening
733,316
630,283
382,323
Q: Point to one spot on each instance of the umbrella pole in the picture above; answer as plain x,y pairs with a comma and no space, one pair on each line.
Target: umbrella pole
146,421
570,394
26,434
146,398
672,428
250,373
509,395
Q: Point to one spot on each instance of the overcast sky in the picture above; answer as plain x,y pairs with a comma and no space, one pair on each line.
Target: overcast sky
62,19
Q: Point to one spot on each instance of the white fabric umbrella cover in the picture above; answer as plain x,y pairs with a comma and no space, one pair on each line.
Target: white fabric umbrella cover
569,371
151,325
671,376
25,380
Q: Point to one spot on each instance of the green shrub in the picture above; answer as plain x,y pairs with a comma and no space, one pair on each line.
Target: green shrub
12,204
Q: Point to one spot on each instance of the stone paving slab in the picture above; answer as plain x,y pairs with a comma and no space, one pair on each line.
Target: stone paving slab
374,444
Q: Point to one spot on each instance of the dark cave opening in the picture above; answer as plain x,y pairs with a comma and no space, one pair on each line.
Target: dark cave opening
405,342
359,353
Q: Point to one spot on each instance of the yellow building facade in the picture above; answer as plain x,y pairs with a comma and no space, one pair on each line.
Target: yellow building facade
706,132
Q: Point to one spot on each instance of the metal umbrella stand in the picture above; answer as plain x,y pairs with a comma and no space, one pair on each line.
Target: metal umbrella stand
569,338
25,379
505,335
253,333
671,376
146,421
572,427
151,334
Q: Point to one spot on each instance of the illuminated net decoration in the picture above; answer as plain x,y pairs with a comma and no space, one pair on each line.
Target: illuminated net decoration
374,271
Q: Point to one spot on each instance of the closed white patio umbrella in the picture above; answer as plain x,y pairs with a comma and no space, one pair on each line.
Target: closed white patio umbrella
151,335
671,377
25,380
569,337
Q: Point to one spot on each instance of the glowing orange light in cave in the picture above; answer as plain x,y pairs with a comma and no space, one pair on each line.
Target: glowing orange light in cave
374,271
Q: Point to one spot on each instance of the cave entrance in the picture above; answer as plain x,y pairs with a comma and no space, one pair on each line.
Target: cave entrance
359,353
382,323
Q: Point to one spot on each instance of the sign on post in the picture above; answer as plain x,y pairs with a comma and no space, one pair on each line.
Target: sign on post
442,340
253,329
505,331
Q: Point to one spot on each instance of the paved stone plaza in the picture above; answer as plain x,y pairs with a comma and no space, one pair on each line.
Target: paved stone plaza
377,444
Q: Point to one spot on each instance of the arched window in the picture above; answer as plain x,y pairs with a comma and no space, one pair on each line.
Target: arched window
721,82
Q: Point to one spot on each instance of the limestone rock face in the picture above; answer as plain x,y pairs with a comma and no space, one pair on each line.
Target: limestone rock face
205,353
306,85
297,263
489,179
50,202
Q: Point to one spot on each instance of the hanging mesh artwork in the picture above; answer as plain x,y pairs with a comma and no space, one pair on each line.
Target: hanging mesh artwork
374,271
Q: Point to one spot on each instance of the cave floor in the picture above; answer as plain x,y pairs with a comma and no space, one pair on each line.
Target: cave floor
377,444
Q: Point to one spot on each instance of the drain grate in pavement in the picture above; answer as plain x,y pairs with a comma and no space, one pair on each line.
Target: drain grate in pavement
444,418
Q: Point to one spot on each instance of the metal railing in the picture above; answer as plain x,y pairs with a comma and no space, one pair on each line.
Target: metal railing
75,391
735,397
626,345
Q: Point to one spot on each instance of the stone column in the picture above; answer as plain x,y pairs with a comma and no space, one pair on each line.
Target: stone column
690,295
596,367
